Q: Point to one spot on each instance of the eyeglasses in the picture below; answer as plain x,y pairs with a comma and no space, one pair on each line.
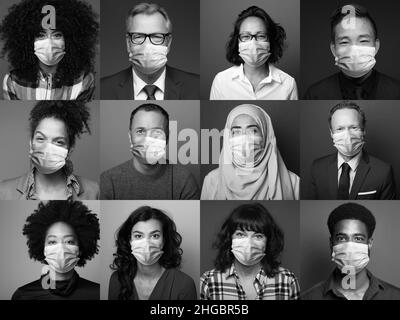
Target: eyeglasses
244,37
155,38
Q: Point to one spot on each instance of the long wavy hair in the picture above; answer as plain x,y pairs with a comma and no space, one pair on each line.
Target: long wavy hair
125,262
250,217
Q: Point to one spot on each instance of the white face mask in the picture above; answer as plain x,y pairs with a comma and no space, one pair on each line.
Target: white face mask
48,158
62,258
351,254
254,53
150,150
148,58
246,150
348,144
355,61
147,252
248,251
49,51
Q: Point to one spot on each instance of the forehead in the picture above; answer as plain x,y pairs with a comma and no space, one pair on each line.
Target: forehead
345,116
253,25
52,126
362,26
144,118
147,23
351,226
243,120
147,226
60,229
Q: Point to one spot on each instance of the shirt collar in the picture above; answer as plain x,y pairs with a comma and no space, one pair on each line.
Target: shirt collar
273,74
353,162
139,84
261,275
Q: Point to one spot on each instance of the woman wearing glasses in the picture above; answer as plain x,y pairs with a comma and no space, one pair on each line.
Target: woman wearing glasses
256,43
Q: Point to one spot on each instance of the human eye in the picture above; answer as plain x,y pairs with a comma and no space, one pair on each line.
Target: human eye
341,238
244,37
140,131
261,37
51,242
239,234
136,236
156,236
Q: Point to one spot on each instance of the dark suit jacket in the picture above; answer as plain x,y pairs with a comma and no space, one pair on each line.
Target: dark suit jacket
387,88
179,85
373,177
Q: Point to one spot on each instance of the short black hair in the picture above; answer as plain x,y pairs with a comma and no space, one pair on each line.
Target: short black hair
125,262
359,11
276,36
73,213
74,114
252,217
152,107
352,211
348,105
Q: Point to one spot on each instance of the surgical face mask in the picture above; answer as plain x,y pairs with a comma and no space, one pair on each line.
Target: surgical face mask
148,58
254,53
49,51
150,150
246,150
351,254
61,258
248,251
355,61
147,252
348,143
48,158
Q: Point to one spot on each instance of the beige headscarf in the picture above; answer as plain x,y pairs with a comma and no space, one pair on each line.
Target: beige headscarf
269,180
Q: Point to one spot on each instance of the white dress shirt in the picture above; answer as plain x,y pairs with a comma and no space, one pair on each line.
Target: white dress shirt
232,84
139,84
353,163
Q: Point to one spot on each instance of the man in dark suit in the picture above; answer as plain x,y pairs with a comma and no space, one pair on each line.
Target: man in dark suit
350,173
148,42
354,44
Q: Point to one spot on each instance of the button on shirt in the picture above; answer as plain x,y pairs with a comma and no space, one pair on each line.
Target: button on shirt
353,163
139,84
232,84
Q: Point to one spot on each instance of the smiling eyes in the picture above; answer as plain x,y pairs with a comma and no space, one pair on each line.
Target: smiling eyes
241,234
138,236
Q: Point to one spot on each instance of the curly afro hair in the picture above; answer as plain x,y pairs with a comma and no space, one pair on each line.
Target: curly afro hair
75,214
23,23
74,114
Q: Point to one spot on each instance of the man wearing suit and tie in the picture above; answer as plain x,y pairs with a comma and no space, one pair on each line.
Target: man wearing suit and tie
349,173
148,41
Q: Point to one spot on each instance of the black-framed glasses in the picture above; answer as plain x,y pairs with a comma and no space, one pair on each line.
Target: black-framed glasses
155,38
244,37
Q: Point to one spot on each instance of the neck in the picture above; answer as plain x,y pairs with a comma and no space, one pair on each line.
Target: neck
348,158
360,281
47,69
144,168
149,271
262,71
47,181
247,271
149,78
57,276
360,79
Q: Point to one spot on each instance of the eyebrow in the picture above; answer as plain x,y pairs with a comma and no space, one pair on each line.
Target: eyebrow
249,126
65,236
159,128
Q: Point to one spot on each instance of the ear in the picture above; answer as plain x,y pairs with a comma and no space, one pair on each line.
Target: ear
370,242
377,46
70,150
169,43
330,244
333,51
127,44
130,138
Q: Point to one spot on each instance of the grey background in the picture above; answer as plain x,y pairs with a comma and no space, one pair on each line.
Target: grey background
186,215
114,124
382,131
285,121
4,66
184,53
285,214
17,269
15,136
317,61
217,22
316,262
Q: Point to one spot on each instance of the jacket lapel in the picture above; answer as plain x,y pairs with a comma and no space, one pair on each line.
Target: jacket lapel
125,86
361,174
172,86
333,177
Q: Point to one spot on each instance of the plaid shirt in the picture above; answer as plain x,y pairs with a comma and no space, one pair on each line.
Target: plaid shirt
217,285
47,88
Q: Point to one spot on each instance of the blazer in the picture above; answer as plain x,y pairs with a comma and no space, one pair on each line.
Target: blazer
373,180
387,88
179,85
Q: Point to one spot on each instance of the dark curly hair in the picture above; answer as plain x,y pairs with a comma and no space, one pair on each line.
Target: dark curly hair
352,211
125,262
74,19
75,214
276,35
252,217
74,114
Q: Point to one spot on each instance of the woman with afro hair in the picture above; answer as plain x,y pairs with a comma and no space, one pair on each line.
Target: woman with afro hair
61,235
49,64
148,258
54,127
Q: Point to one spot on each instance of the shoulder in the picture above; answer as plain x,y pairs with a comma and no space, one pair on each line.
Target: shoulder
209,275
8,188
116,77
391,290
378,163
323,88
179,171
212,175
90,188
181,75
21,292
181,277
117,170
286,275
324,160
227,73
387,80
314,293
88,284
285,77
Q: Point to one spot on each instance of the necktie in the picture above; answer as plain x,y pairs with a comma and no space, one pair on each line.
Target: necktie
150,89
344,182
